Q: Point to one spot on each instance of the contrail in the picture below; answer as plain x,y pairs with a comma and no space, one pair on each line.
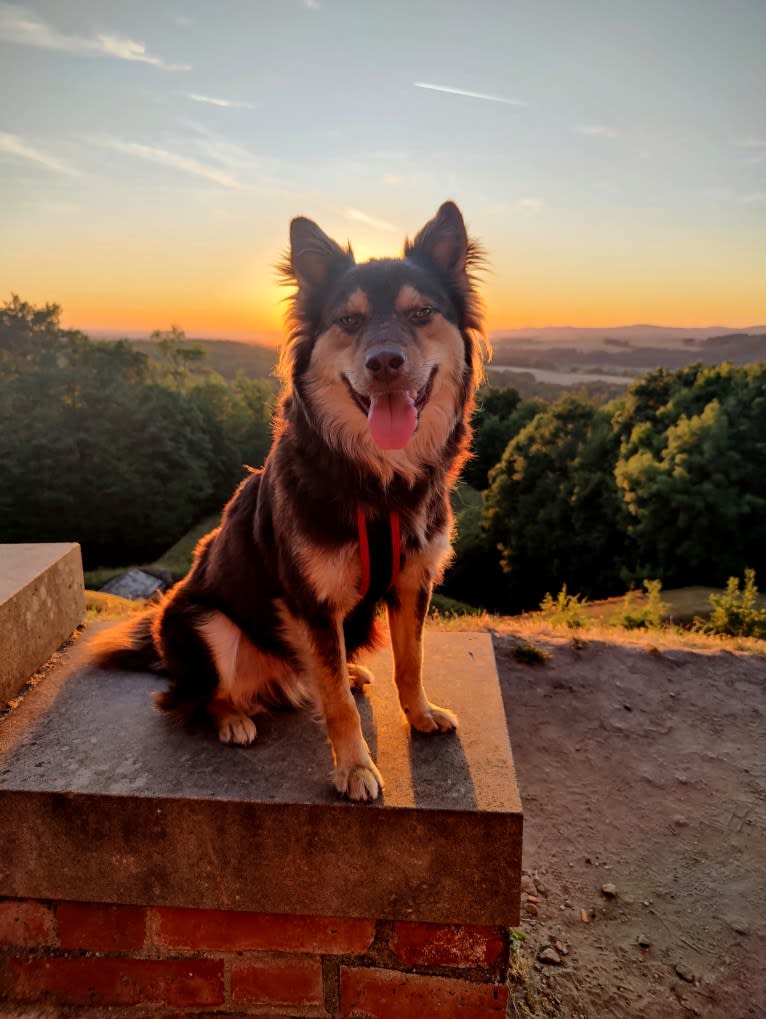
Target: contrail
471,95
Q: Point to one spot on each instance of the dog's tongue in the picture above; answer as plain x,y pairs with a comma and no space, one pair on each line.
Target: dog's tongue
392,419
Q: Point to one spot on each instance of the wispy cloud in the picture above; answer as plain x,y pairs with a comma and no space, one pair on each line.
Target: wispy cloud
755,198
233,103
471,95
361,217
174,160
751,142
15,146
18,26
313,5
597,131
392,180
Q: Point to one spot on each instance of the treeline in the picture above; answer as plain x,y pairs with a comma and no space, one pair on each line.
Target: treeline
106,445
666,482
124,450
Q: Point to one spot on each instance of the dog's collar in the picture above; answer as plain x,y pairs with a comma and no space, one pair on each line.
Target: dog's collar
364,550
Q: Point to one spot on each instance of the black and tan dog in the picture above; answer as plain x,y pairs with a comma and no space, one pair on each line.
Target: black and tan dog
350,509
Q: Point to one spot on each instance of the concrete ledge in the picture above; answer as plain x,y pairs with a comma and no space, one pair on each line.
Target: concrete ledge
103,800
41,602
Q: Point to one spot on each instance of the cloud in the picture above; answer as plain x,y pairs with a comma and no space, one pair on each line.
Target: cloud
471,95
531,204
15,146
313,5
751,142
392,180
171,159
597,131
20,27
233,103
755,198
361,217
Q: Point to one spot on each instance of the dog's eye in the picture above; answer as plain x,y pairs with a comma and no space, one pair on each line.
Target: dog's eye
350,323
421,315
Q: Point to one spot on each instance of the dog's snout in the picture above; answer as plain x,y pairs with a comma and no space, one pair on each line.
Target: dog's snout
384,362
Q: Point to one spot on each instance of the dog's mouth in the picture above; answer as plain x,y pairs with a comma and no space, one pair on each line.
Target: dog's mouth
393,415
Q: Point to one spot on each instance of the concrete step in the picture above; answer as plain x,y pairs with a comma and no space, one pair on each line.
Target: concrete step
41,602
102,799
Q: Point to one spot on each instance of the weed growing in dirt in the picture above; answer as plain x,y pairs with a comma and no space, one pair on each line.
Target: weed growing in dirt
648,616
565,609
736,612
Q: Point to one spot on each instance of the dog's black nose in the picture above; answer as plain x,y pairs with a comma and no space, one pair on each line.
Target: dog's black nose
384,362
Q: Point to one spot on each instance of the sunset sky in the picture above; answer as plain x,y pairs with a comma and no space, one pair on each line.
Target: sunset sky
610,155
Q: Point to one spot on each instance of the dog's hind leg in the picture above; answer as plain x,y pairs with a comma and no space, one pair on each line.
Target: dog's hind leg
230,706
407,607
359,676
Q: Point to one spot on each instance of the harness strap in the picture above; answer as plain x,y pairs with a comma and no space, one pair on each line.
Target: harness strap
364,550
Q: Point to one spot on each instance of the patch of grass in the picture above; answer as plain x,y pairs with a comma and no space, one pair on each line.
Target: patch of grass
530,654
443,607
100,607
178,557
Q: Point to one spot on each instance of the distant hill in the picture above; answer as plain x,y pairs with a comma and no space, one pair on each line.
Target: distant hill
228,357
621,354
636,334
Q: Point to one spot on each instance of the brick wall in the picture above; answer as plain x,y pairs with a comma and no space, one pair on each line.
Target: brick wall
160,961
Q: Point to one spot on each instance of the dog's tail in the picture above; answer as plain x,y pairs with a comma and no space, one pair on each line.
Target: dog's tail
128,645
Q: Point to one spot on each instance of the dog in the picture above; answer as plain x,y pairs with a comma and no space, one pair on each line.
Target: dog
350,510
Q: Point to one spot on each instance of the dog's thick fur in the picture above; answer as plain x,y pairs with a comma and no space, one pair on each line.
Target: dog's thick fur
271,610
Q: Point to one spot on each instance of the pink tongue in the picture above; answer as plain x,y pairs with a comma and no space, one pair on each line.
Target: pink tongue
392,419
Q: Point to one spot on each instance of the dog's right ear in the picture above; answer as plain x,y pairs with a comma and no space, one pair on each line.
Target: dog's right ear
314,257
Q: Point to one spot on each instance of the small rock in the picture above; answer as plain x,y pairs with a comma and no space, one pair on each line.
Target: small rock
609,890
644,941
684,972
680,821
532,898
528,885
584,916
531,909
549,956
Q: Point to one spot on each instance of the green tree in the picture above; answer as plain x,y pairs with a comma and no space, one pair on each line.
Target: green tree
553,510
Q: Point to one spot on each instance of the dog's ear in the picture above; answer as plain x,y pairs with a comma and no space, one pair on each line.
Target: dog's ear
443,242
315,257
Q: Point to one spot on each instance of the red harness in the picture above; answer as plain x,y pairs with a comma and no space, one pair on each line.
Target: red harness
364,550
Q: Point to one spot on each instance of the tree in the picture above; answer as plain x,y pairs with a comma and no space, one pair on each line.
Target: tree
553,510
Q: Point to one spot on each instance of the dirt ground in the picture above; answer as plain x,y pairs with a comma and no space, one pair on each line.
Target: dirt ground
642,770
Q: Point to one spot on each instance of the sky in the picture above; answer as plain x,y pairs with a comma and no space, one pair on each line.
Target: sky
611,156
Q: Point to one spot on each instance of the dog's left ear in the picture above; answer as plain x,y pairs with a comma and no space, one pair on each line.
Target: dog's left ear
443,242
315,257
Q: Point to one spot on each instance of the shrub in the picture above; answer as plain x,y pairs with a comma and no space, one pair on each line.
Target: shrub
736,612
565,609
647,616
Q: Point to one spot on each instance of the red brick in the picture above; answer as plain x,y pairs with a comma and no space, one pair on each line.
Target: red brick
103,981
223,931
464,945
386,994
26,923
101,928
276,982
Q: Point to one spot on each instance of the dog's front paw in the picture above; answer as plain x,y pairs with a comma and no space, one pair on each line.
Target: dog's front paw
360,782
236,730
433,719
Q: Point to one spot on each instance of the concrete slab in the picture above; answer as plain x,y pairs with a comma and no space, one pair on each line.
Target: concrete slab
41,602
103,799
